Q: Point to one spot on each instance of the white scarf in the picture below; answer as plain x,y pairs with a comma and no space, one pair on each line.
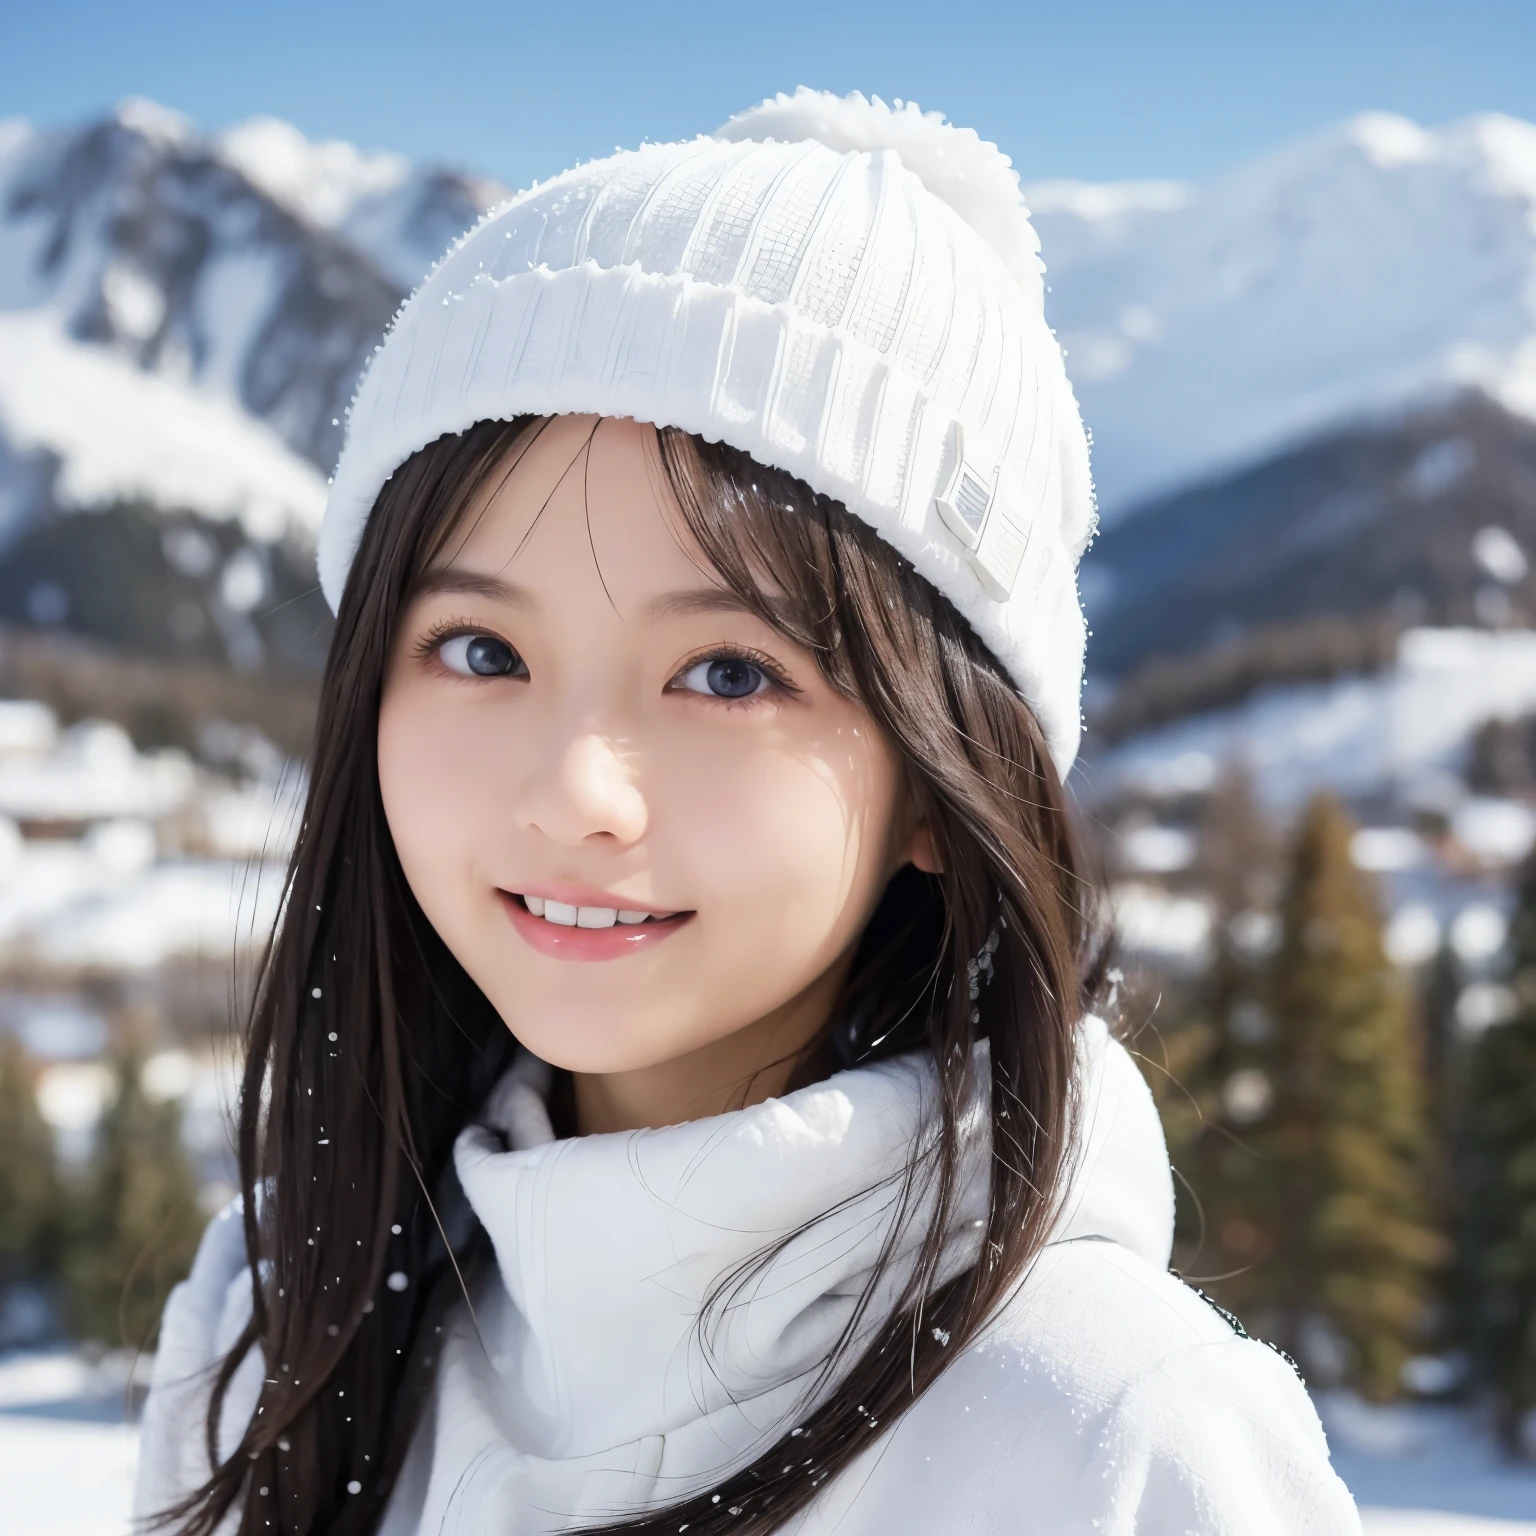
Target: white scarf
584,1386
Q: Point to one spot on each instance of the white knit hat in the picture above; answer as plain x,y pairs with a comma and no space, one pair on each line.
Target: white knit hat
848,292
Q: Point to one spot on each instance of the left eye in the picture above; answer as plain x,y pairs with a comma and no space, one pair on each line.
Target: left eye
726,677
481,656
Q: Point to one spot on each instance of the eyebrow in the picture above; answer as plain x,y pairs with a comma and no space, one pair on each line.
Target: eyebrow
692,600
448,578
669,605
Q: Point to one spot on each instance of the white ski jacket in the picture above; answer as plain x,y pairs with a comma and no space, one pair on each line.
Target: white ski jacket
1107,1397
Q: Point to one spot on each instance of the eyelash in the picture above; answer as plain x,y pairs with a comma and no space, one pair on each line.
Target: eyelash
778,683
427,646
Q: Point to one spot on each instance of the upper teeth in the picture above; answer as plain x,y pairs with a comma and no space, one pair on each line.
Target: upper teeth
583,917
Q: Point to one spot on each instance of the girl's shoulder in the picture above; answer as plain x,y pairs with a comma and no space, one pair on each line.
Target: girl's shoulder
1106,1395
203,1319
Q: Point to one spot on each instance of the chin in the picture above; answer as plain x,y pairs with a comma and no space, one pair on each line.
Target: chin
576,1041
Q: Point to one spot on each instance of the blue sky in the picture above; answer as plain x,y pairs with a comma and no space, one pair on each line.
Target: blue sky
1091,88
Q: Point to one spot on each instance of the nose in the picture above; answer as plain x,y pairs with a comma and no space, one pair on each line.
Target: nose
587,792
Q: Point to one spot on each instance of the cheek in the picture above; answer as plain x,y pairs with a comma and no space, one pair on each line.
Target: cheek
437,791
788,842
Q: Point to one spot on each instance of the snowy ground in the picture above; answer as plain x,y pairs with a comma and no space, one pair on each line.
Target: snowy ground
66,1460
66,1457
63,1478
1402,729
1421,1471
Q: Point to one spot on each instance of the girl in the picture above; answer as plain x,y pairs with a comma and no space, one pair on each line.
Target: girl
672,1100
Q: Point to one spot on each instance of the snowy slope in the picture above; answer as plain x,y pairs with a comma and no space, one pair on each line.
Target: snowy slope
1359,269
1401,731
119,433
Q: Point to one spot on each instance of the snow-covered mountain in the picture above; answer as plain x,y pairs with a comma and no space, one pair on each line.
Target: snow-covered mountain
247,275
1369,266
1401,732
182,322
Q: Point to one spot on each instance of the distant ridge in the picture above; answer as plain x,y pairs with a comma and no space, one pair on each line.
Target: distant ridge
1373,266
1308,563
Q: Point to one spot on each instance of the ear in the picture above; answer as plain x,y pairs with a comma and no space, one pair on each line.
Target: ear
921,852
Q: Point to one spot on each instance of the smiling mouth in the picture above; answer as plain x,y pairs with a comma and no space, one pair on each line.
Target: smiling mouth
563,915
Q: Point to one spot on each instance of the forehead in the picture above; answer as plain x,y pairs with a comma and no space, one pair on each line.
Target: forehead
582,499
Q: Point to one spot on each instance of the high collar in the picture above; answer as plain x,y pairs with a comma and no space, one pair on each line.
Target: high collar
609,1247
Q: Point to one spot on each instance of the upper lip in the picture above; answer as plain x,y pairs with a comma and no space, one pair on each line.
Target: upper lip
585,896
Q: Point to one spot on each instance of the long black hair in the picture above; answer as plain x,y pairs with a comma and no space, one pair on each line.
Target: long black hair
369,1047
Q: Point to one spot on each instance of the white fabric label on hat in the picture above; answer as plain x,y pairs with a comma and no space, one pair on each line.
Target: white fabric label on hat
968,507
967,497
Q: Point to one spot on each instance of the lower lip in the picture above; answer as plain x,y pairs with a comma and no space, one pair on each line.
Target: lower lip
562,943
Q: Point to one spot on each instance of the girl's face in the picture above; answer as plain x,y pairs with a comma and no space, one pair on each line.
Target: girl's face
638,816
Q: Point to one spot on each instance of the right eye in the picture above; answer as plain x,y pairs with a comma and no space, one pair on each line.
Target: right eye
481,656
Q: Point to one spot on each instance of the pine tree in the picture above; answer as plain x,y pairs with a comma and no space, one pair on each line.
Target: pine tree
1344,1144
1444,1058
1240,858
1214,1033
137,1223
30,1206
1498,1187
